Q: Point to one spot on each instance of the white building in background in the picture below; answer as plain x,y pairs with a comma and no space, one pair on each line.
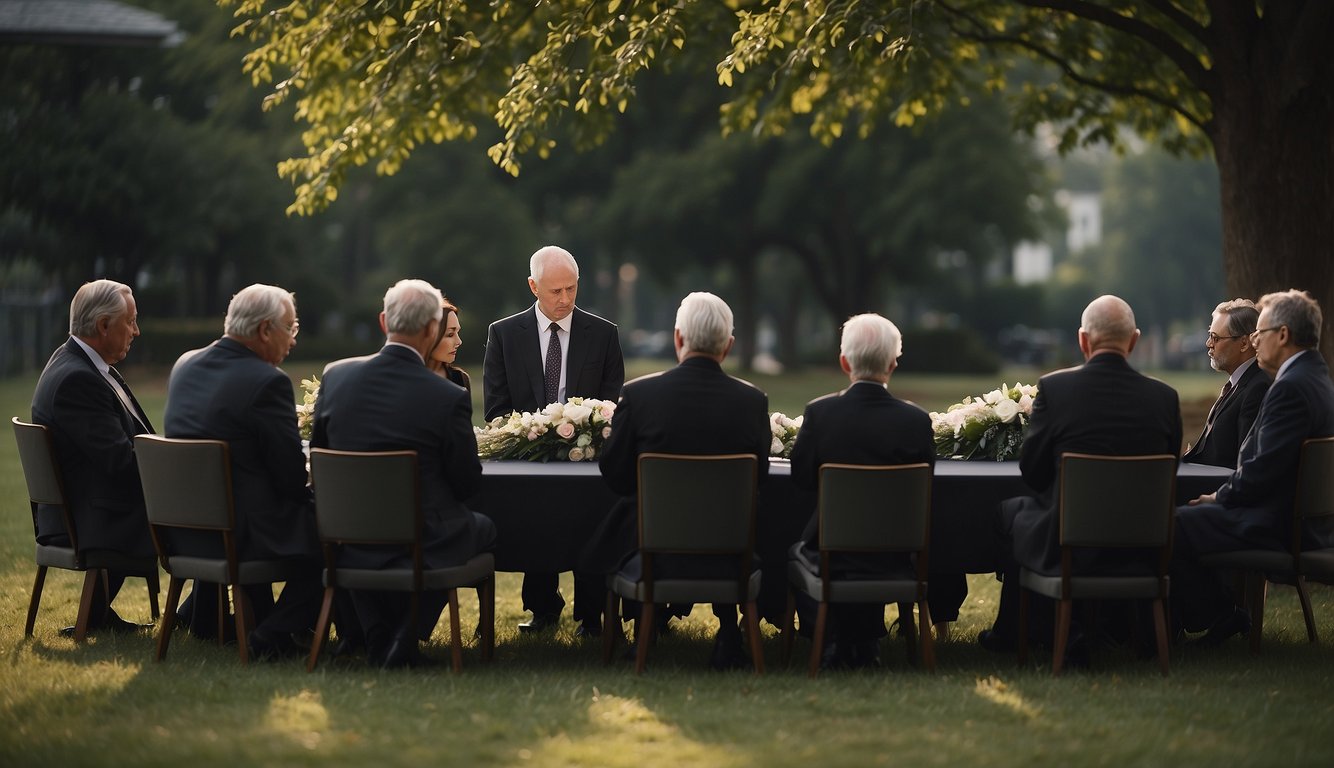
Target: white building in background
1033,261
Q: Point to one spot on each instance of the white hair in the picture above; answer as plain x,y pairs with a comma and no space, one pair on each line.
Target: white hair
548,255
705,323
411,305
870,343
94,301
253,305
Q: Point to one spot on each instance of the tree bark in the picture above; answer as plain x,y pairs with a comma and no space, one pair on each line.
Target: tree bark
1273,137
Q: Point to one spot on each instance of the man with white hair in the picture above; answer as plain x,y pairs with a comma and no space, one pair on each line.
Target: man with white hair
548,353
725,415
1102,407
233,390
863,424
389,402
93,418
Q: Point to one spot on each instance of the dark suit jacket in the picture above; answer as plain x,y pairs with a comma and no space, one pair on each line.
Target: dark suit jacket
93,438
1257,499
1102,407
226,392
391,402
1220,444
512,377
694,408
863,424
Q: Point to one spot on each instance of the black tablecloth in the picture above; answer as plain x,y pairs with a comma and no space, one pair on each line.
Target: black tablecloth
545,513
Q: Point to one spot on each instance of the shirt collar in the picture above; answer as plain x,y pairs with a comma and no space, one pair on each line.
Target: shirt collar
1241,371
1287,363
405,346
544,322
92,355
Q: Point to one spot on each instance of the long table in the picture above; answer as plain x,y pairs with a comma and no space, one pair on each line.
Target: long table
546,513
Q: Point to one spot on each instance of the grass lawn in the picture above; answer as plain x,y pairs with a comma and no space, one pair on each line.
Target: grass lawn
550,702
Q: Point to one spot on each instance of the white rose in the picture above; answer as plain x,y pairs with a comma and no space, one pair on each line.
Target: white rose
1007,410
776,447
606,432
577,414
584,440
576,454
565,430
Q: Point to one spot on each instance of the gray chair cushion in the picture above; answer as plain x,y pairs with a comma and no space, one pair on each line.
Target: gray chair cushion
804,579
478,569
57,557
687,590
1319,564
248,572
1091,587
1250,560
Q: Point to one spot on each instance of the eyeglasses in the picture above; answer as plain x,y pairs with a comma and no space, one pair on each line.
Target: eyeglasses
1258,331
1215,338
292,329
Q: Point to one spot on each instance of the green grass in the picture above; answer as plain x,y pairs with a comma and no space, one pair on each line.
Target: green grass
550,702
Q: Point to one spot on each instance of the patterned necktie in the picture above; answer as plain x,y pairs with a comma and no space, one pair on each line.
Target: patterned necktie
551,373
1218,405
127,399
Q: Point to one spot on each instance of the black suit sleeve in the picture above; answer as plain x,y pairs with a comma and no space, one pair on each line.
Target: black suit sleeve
1036,462
620,453
275,424
613,369
463,469
1278,439
495,383
91,416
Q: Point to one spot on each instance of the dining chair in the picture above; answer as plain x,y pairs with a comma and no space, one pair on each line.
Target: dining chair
880,511
1294,565
690,506
188,487
1108,503
374,498
42,475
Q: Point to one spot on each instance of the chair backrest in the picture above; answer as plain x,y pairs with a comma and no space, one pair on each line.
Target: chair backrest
702,504
1117,501
874,508
366,497
1315,479
39,463
187,483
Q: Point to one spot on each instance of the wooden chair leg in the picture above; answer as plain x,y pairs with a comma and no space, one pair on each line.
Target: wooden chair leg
154,587
241,612
90,580
1255,601
752,618
455,634
321,629
787,633
487,616
817,639
35,601
927,643
1023,626
1063,612
611,621
1160,633
222,612
643,636
908,629
168,622
1305,596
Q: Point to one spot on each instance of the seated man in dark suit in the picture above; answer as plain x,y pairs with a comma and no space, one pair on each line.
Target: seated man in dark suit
1101,407
1253,508
233,390
93,418
863,424
726,415
1230,418
391,402
546,354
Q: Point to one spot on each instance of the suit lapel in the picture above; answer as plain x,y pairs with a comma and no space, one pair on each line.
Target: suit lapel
530,352
580,328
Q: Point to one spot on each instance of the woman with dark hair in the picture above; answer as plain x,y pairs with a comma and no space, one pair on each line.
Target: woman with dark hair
446,349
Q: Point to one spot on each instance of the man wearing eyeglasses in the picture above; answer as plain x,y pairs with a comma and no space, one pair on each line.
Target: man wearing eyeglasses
1231,416
233,390
1253,508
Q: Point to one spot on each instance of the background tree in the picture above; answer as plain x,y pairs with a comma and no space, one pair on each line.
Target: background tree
1248,80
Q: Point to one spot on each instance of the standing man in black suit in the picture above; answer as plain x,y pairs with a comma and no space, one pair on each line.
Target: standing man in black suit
389,402
694,408
1102,407
1230,418
863,424
1253,508
93,418
233,390
548,353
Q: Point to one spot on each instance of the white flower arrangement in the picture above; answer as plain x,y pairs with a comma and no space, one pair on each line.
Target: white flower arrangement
305,410
571,431
988,427
784,431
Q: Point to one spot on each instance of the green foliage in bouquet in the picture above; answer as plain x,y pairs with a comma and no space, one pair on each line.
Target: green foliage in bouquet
991,426
571,431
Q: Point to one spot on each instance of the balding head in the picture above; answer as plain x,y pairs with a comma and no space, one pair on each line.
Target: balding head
1107,325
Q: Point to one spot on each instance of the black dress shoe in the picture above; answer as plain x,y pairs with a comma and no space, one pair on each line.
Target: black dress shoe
540,622
727,653
111,623
266,645
588,629
402,654
1235,623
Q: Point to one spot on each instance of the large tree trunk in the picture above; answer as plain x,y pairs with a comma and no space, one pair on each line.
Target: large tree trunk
1273,136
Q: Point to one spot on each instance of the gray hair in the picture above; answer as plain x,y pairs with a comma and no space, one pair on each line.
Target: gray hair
1241,316
546,256
1108,318
870,343
1297,310
253,305
94,301
411,305
705,323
